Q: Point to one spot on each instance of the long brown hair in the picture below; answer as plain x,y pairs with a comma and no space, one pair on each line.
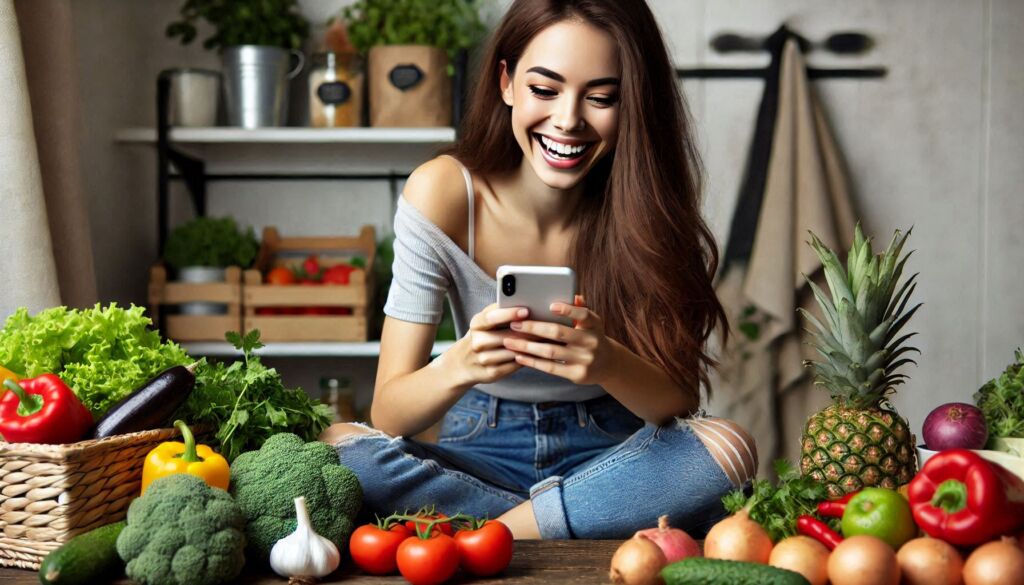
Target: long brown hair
644,255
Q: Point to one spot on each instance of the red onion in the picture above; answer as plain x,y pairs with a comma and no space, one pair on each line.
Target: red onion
955,425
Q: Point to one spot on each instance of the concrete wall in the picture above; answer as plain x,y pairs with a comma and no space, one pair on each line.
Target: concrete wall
936,144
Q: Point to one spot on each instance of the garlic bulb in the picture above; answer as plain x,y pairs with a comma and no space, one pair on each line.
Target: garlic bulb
304,554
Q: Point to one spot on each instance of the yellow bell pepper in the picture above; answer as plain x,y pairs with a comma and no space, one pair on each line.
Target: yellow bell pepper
6,374
201,461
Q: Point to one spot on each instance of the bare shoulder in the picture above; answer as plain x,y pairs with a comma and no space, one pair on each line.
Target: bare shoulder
437,189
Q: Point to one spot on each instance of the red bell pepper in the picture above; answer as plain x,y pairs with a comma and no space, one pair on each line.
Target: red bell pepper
965,500
42,410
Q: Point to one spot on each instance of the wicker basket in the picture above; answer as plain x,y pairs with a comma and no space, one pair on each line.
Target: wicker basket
50,493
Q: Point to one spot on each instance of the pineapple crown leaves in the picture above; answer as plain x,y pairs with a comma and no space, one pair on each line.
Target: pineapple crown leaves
863,313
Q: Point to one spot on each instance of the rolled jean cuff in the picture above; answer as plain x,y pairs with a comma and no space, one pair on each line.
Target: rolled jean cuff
549,510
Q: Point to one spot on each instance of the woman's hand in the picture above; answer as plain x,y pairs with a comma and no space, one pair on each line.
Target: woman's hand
580,354
481,356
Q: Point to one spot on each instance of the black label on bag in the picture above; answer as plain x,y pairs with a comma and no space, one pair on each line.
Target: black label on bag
334,93
406,77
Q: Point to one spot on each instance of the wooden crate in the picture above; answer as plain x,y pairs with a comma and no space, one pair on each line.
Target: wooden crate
196,327
357,295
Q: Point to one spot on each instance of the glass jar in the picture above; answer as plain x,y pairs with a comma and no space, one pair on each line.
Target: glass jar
335,90
338,395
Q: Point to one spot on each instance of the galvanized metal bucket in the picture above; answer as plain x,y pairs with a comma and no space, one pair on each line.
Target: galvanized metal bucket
256,84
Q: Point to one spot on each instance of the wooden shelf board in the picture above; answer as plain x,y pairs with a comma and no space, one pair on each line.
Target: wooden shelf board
300,349
293,135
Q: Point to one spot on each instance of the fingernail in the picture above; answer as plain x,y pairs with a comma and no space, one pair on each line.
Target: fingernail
522,313
555,307
516,325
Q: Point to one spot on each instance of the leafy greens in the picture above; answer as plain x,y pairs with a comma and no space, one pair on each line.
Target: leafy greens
247,403
776,508
1001,400
102,353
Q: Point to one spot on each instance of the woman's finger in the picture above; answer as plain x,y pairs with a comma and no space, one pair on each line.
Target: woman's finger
551,331
495,357
569,371
497,318
582,317
541,349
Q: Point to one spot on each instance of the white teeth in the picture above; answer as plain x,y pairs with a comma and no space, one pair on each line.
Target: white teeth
560,148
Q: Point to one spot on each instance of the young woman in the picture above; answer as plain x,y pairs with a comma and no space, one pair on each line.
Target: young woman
577,152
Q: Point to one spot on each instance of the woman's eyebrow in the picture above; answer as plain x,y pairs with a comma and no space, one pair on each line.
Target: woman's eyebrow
559,78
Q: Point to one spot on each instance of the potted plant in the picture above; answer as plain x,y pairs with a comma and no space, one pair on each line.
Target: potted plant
257,39
410,46
201,249
1001,400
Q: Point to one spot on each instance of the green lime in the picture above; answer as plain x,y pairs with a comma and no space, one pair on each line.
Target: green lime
882,513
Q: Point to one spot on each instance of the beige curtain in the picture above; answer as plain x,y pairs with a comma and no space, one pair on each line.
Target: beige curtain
46,250
761,383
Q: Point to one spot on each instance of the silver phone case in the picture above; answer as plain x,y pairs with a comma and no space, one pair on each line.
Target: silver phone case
536,288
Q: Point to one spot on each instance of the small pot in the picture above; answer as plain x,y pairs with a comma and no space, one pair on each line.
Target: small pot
202,274
256,84
195,94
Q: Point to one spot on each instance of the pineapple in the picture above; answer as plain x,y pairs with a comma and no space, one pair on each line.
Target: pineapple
860,440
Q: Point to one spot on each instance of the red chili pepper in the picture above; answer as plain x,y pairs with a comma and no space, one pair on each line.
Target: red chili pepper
818,530
42,410
965,500
835,508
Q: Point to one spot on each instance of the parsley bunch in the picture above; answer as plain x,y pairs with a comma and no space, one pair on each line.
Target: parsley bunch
776,508
247,403
1001,400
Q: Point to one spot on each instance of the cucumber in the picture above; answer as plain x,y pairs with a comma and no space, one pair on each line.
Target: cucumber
150,405
86,558
699,571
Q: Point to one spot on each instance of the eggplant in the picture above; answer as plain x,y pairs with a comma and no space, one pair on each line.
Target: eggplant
150,405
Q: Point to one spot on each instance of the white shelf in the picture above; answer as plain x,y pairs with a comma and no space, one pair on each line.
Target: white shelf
299,349
289,135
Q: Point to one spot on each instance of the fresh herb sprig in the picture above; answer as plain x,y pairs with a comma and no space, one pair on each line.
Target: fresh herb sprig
776,508
1001,400
247,402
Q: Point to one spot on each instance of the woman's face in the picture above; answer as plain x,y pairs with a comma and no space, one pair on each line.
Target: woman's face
564,95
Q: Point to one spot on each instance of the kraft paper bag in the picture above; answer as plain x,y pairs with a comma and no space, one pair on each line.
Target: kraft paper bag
409,86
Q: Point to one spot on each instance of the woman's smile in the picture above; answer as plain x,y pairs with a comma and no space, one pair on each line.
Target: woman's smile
562,153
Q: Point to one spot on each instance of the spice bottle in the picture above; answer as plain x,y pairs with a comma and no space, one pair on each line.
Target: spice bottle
335,90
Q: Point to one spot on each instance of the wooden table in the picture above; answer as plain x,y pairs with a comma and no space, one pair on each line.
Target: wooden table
535,562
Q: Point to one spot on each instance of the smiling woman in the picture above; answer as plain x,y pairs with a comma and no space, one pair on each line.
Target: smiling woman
576,152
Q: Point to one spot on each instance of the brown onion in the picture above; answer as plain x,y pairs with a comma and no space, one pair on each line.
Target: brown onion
804,555
638,561
1000,562
863,560
738,538
930,561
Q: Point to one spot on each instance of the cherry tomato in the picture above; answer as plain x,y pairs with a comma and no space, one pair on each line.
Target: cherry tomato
311,266
428,561
485,551
374,550
280,275
445,527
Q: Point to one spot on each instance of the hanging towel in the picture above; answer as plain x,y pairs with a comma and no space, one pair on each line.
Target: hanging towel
762,383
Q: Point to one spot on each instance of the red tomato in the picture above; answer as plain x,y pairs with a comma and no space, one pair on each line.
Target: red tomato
311,266
280,275
430,561
486,551
339,274
374,550
446,527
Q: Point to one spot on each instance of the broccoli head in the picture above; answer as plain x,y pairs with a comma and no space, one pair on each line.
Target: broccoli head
266,482
183,532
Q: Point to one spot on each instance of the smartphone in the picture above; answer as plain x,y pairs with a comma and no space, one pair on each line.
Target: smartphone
536,287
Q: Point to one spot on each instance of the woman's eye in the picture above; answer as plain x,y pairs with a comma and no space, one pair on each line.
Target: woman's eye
603,100
542,91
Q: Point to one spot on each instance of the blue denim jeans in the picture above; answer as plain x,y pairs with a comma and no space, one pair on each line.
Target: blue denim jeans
592,469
